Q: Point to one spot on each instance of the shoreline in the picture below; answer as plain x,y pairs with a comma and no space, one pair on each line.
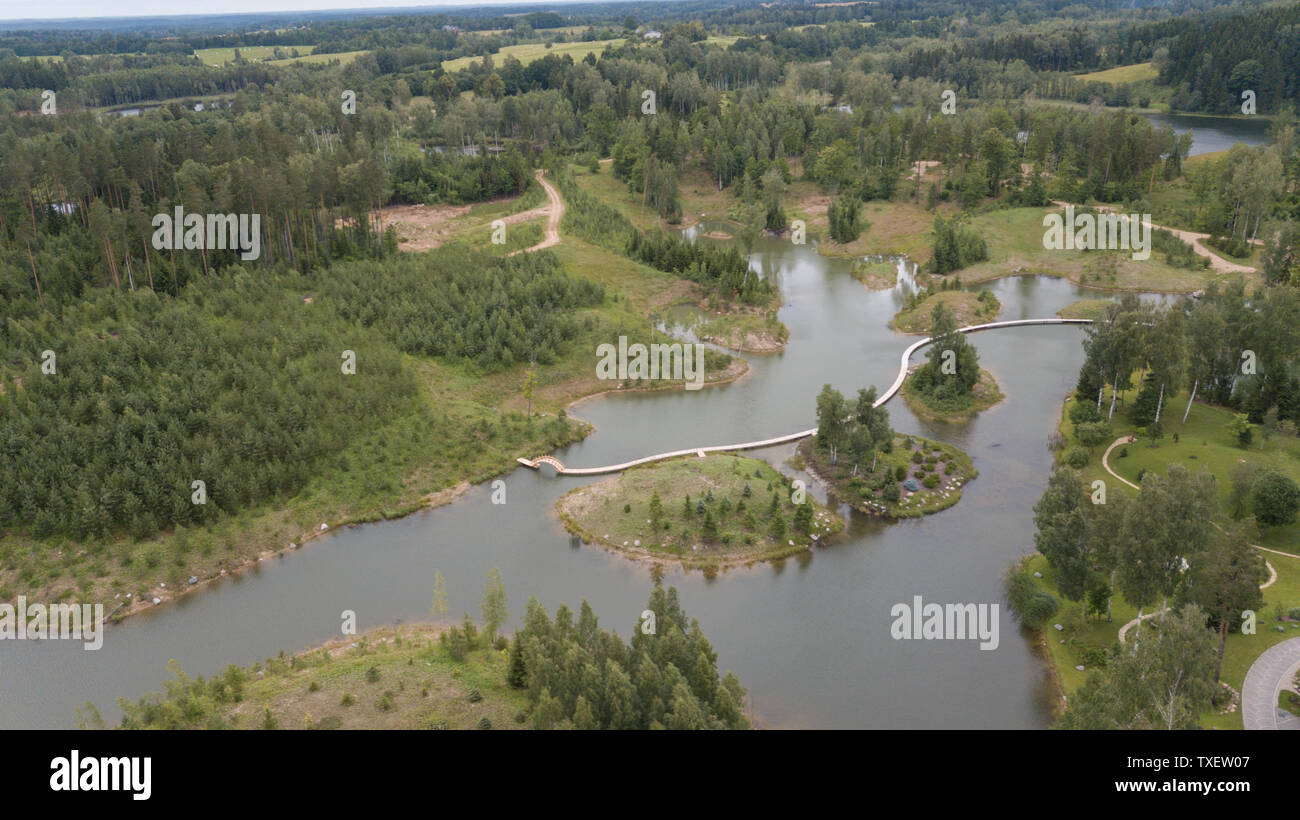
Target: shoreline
434,500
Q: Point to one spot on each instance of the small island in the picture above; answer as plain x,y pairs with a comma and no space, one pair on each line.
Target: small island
950,386
716,511
875,275
966,307
876,470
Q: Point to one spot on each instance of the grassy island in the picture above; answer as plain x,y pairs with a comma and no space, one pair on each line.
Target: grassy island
715,511
967,308
875,275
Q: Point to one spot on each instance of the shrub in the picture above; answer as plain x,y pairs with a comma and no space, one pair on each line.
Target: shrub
917,458
372,675
475,696
1032,605
1275,498
900,473
483,723
930,482
891,493
1093,433
347,699
1077,458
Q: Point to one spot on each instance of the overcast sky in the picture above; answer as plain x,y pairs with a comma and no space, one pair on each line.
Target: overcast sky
24,9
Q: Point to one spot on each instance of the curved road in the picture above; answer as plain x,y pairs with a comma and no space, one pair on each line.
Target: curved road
1268,676
754,445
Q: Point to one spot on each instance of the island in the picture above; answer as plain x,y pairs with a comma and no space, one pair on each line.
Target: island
966,307
914,477
869,466
950,386
710,512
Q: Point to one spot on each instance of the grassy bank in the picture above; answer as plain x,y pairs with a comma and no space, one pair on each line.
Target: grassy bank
388,678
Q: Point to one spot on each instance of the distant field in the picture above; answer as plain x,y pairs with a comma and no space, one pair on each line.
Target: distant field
59,57
221,56
823,25
1121,75
344,57
528,52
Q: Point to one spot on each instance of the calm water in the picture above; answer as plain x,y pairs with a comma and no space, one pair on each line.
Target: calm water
808,637
1210,134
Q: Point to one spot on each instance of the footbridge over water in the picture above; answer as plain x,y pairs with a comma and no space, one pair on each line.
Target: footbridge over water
906,357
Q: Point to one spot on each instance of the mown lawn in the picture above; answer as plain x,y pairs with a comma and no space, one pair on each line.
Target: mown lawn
1204,443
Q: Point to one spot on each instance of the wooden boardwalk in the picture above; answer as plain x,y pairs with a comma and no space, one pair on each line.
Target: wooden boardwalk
906,357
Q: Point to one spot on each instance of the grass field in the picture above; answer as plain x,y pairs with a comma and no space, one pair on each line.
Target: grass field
343,57
1124,74
528,52
221,56
1015,245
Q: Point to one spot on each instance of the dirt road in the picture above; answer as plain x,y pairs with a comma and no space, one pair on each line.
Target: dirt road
1192,238
556,210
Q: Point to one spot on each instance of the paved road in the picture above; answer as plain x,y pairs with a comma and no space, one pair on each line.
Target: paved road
1268,675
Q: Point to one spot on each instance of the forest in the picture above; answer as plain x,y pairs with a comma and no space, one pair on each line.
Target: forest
164,358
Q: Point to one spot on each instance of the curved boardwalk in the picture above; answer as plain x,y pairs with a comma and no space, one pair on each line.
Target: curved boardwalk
1269,675
561,469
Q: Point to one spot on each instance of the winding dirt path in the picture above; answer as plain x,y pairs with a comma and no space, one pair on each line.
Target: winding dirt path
1190,237
556,211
